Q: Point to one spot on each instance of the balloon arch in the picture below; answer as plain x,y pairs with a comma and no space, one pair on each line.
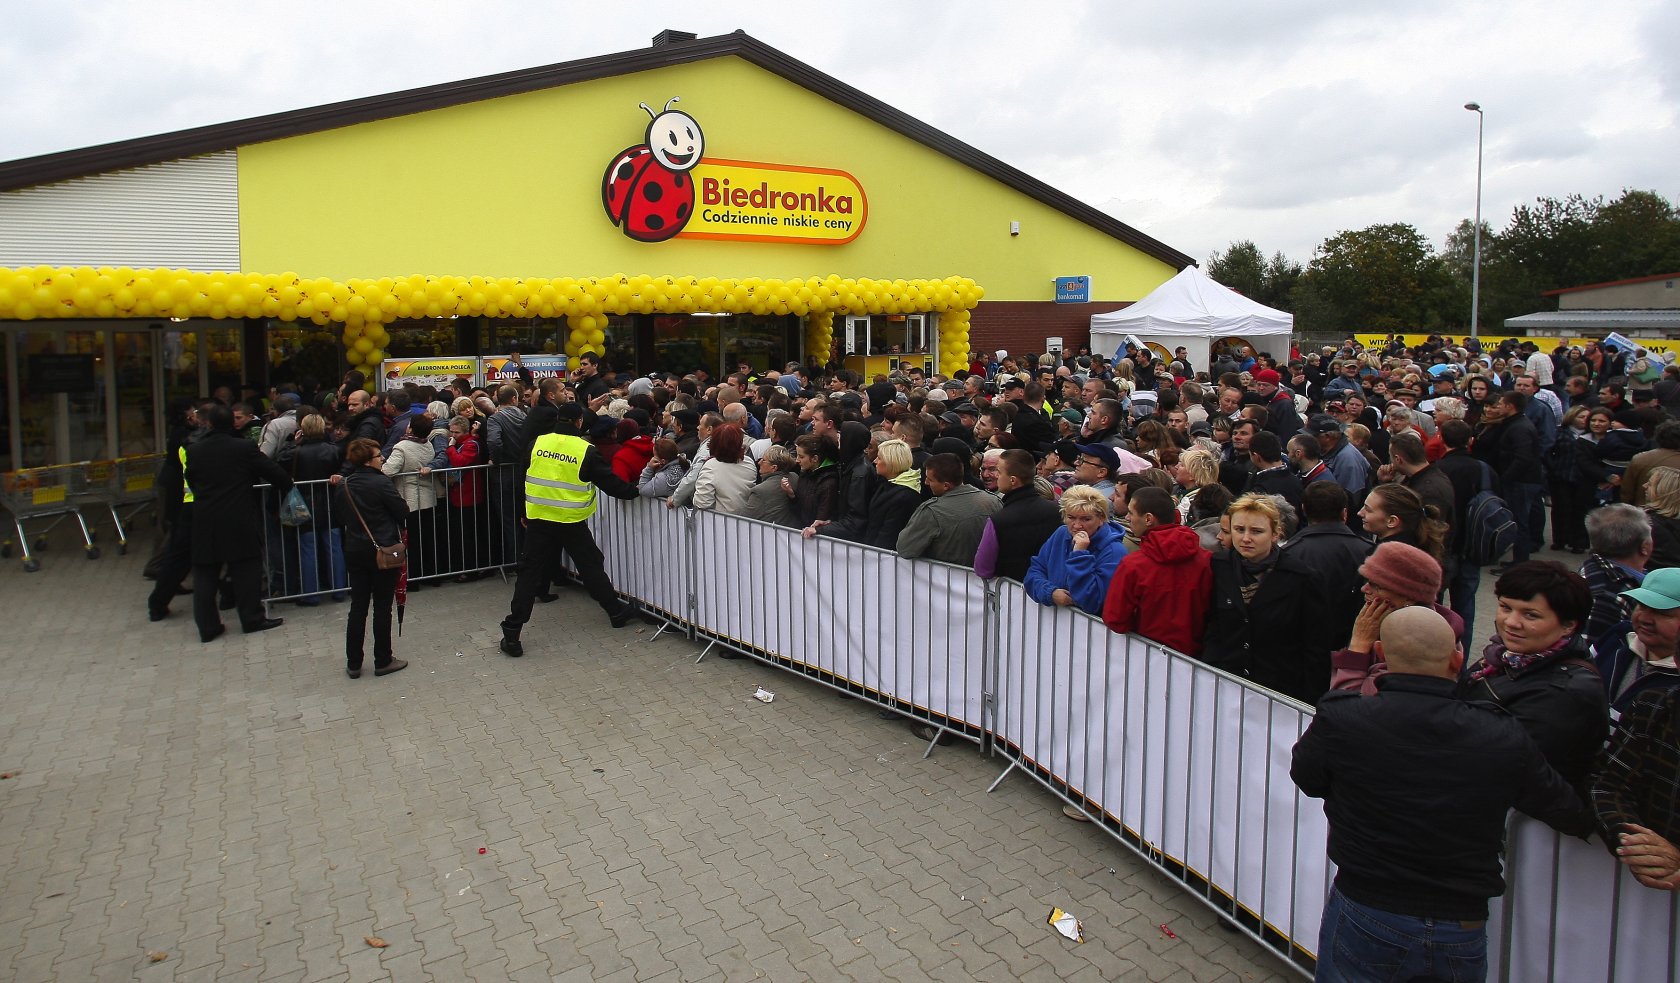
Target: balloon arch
363,306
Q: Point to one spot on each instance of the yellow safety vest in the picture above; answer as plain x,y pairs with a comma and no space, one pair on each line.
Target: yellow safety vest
186,489
554,487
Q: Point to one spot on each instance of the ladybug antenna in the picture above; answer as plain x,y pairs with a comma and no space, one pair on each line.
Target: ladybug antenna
649,109
674,100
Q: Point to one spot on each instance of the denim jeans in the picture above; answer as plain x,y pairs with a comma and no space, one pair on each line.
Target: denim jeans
1360,944
1524,501
320,548
1463,580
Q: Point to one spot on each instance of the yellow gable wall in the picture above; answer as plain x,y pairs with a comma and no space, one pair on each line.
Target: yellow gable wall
512,187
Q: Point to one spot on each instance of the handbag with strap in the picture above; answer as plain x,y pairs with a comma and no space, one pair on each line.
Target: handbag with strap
384,557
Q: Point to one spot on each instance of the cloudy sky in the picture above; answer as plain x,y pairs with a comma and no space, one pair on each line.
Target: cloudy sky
1199,122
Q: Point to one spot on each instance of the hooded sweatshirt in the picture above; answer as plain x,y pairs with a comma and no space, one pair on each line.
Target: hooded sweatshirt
1162,590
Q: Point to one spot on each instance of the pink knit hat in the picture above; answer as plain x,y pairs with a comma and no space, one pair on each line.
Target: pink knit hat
1405,570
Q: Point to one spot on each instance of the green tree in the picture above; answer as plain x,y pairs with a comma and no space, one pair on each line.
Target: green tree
1639,235
1281,277
1574,241
1381,278
1241,267
1245,269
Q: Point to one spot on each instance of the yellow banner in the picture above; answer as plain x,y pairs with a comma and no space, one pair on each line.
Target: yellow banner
49,496
427,371
738,199
1658,345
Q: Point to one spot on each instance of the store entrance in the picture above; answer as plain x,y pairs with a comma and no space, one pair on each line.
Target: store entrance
95,390
720,343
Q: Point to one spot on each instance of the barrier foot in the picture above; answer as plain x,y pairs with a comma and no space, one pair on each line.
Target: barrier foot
664,624
703,651
999,781
937,734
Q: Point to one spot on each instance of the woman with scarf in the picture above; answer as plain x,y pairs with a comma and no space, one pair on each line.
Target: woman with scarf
1261,613
410,466
1538,668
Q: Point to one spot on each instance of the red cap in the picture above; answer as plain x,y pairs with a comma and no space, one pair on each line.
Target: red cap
1268,375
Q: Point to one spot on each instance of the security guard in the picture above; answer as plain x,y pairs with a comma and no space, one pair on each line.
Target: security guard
564,474
176,561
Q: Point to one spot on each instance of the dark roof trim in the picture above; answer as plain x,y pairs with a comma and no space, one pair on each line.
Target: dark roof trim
45,169
1610,283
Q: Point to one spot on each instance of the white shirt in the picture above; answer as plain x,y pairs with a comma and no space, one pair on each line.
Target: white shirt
1540,367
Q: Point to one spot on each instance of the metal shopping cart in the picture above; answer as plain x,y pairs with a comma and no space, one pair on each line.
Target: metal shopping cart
41,493
124,488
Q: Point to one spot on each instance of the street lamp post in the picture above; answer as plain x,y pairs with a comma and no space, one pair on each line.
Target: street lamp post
1476,268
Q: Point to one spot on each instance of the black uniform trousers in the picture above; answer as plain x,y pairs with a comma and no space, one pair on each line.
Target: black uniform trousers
175,563
543,541
247,577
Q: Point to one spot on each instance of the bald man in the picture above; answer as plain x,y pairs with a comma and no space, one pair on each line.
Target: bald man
1416,786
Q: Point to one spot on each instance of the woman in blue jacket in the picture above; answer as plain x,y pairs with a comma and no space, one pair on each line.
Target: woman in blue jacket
1076,563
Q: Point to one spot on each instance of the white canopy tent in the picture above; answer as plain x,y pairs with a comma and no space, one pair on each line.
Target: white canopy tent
1196,312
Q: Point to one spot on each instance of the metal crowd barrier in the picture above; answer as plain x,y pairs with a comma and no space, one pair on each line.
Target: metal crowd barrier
910,633
1185,765
40,493
1571,914
306,562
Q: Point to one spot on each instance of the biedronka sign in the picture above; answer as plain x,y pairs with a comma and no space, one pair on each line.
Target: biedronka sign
667,188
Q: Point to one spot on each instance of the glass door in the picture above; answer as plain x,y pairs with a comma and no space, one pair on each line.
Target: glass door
134,361
83,410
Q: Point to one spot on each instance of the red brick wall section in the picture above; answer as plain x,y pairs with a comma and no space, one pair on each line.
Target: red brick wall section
1023,325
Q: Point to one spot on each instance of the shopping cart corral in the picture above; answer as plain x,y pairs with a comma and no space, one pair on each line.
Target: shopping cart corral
52,493
124,488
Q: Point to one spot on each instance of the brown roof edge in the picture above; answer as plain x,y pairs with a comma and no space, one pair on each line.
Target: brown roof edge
1610,283
48,168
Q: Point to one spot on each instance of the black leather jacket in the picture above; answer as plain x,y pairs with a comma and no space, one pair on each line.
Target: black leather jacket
1416,784
381,507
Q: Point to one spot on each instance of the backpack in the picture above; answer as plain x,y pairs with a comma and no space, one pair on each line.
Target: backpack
1490,530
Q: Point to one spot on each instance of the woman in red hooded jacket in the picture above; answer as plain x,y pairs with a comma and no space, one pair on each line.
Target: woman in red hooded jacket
635,446
466,539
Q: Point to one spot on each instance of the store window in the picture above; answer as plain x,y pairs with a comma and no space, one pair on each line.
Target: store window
533,335
137,409
719,344
423,337
226,368
761,342
301,350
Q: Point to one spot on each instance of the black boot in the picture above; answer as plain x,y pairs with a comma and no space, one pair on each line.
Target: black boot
510,642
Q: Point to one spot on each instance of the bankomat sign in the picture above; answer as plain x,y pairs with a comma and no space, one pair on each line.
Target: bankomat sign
665,188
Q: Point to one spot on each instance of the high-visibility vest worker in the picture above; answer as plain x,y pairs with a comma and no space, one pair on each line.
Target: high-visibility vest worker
186,489
555,489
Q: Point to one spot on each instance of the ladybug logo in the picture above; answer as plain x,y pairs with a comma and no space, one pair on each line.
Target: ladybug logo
647,189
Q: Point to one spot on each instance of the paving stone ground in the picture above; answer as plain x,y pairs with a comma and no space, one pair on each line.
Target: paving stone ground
603,809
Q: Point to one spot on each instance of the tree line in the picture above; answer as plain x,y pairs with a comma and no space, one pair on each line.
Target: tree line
1390,277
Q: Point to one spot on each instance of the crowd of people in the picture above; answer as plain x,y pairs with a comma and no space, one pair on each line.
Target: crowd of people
1313,523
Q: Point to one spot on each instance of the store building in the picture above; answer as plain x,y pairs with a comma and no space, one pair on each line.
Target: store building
696,203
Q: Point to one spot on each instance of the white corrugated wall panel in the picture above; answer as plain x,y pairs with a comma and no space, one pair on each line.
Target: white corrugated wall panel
180,213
